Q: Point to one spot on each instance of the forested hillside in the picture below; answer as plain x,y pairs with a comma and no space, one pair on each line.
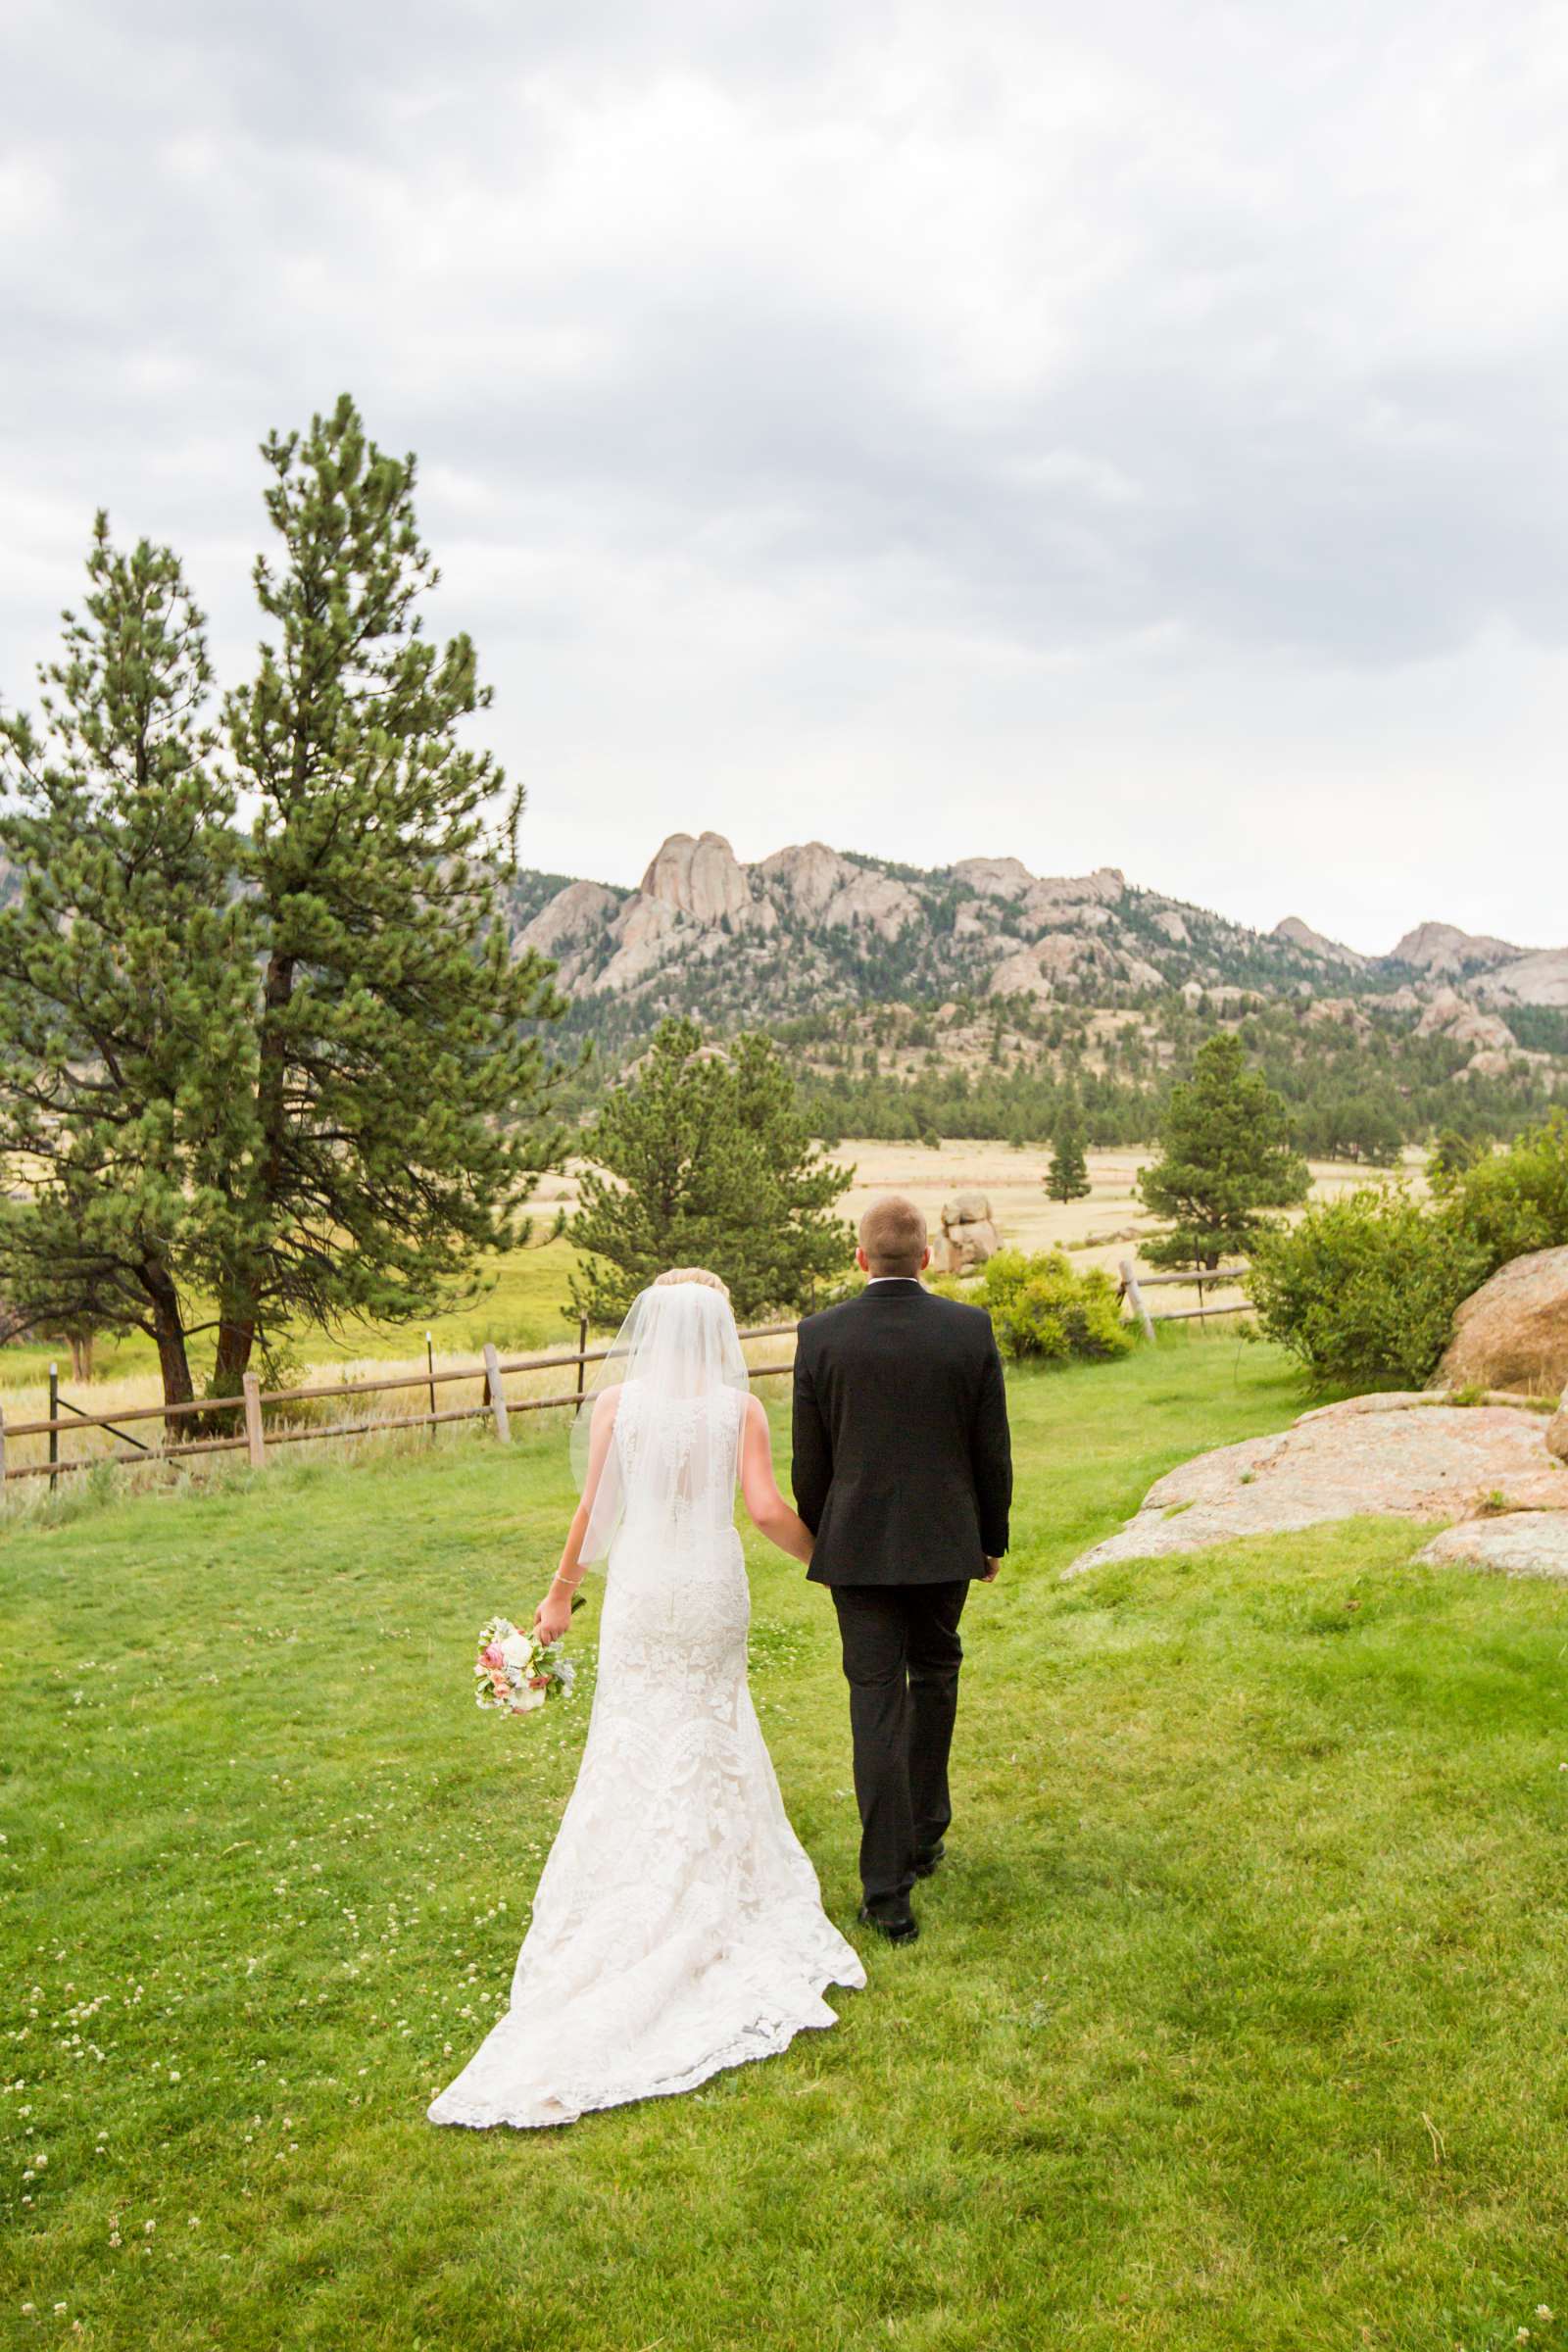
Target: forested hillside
980,999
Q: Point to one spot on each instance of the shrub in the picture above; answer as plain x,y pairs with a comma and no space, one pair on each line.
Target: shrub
1364,1288
1509,1203
1042,1306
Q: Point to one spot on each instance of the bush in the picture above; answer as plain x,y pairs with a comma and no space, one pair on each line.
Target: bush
1509,1203
1364,1288
1042,1306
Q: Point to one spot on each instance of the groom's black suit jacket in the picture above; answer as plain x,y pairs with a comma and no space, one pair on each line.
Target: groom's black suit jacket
903,1465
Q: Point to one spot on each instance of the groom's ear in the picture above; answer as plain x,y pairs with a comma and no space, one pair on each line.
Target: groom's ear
926,1259
862,1262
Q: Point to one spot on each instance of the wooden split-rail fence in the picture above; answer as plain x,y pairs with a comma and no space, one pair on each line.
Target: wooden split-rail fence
261,1427
1133,1285
264,1421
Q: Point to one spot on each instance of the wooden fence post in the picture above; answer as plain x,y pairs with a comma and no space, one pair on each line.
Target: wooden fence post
255,1437
2,1444
498,1403
1129,1283
429,1365
582,1350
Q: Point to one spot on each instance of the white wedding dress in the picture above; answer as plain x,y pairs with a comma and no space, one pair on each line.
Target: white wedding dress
679,1927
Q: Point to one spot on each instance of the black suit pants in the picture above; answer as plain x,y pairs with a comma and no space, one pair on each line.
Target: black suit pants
902,1656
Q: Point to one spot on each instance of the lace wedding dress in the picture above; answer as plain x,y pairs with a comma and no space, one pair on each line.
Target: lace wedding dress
678,1926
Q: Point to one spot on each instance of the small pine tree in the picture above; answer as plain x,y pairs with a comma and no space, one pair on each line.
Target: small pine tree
702,1159
1226,1155
1450,1157
1067,1177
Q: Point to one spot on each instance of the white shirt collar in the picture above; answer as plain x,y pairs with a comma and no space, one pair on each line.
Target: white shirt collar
873,1279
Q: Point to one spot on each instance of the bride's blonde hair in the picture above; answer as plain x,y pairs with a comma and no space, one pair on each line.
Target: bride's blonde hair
672,1274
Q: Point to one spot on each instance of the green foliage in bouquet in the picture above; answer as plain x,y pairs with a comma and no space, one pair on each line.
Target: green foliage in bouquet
1042,1308
1364,1288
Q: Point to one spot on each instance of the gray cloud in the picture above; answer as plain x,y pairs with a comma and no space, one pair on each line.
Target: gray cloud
941,431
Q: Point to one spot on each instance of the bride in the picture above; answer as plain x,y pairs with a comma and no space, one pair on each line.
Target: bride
679,1927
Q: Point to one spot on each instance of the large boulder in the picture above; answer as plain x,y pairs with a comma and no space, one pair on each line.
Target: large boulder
1407,1456
1558,1433
1513,1331
968,1234
1518,1544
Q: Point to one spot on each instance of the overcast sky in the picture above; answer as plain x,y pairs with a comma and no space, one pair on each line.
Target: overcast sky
1122,435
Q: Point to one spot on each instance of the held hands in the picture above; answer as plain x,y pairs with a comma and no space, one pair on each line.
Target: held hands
553,1613
993,1570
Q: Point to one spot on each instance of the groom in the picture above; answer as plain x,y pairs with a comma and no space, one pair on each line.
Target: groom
903,1471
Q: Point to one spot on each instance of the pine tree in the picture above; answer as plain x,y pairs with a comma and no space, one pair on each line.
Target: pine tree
1226,1154
126,966
700,1158
1067,1177
399,1079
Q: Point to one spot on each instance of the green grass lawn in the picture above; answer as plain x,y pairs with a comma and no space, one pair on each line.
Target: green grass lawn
1238,2020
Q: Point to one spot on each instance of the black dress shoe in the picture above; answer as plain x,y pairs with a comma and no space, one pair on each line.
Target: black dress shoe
925,1864
893,1931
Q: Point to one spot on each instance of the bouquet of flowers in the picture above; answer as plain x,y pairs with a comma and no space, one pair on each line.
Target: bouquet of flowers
515,1672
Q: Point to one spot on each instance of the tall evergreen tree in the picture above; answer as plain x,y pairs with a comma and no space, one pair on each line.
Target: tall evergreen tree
127,964
1067,1177
1226,1155
398,1078
703,1158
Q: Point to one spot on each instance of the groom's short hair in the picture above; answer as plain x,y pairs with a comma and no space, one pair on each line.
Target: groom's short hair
893,1235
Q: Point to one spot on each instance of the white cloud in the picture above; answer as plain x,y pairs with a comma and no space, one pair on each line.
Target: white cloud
1131,438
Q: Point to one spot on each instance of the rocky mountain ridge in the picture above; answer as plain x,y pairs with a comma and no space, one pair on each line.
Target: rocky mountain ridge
809,926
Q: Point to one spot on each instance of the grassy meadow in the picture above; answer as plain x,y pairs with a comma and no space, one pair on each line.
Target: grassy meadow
1237,2024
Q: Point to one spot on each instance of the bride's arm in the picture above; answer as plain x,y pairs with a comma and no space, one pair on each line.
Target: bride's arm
771,1514
553,1613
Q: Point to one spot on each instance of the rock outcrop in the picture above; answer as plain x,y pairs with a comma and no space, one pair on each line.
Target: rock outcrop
1402,1455
1538,979
807,878
1513,1331
1301,935
1444,947
1519,1543
1341,1012
1450,1015
703,879
573,916
994,877
968,1235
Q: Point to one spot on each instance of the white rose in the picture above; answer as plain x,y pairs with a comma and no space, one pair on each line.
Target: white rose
526,1700
518,1650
